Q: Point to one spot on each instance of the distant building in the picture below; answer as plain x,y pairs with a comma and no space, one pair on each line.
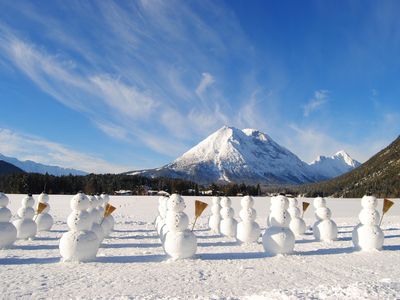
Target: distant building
123,193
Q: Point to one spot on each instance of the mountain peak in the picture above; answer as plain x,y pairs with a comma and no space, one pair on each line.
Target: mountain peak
335,165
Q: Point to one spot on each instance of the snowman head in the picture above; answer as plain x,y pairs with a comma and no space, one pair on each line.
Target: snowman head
293,201
226,202
247,202
80,202
319,202
279,202
92,201
176,203
105,197
369,201
3,200
216,200
28,201
323,213
43,198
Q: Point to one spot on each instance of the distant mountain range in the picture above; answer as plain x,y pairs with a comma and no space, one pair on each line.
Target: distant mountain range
34,167
249,156
7,168
379,176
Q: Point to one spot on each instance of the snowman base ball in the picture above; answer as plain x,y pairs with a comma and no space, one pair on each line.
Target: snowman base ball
44,222
325,230
181,244
107,226
79,246
278,240
297,226
368,237
98,230
26,228
248,232
213,223
8,234
228,227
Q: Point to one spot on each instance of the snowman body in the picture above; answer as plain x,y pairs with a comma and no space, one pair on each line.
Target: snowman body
324,229
215,218
44,220
367,235
248,231
162,213
80,243
109,221
278,238
228,225
179,241
8,232
297,224
26,227
96,227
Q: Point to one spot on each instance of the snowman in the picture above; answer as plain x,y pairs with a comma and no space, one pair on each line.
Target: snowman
228,225
108,222
248,231
8,232
179,241
215,218
324,229
278,238
44,220
96,227
297,224
26,227
368,235
79,243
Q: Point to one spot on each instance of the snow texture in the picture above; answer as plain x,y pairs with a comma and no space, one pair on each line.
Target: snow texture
132,264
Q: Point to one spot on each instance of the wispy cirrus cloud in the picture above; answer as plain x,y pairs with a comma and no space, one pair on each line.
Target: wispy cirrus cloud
319,99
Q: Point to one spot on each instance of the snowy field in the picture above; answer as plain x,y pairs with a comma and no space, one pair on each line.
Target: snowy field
132,265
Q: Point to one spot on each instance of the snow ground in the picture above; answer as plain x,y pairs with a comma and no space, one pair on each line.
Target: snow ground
132,265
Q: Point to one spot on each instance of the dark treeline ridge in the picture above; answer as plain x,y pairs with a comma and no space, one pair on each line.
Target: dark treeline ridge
93,184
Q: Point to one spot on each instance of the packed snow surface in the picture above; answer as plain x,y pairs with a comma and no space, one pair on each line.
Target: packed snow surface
131,264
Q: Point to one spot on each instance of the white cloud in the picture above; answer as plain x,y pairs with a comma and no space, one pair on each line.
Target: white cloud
206,81
24,147
319,99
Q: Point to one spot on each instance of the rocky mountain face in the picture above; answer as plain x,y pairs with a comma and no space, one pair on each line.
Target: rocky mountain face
249,156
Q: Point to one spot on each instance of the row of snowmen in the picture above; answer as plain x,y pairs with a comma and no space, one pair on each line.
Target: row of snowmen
284,224
87,224
29,221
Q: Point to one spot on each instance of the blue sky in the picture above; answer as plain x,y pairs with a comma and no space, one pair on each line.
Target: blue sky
116,86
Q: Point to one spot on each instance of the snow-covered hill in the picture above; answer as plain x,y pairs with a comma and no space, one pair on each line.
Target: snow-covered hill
234,155
34,167
335,165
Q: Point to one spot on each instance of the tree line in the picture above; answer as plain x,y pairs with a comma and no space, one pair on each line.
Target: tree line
35,183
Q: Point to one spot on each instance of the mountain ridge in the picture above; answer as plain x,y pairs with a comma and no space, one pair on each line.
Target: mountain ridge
233,155
30,166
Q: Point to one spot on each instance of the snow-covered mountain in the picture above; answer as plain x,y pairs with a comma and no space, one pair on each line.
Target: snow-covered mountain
34,167
234,155
335,165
